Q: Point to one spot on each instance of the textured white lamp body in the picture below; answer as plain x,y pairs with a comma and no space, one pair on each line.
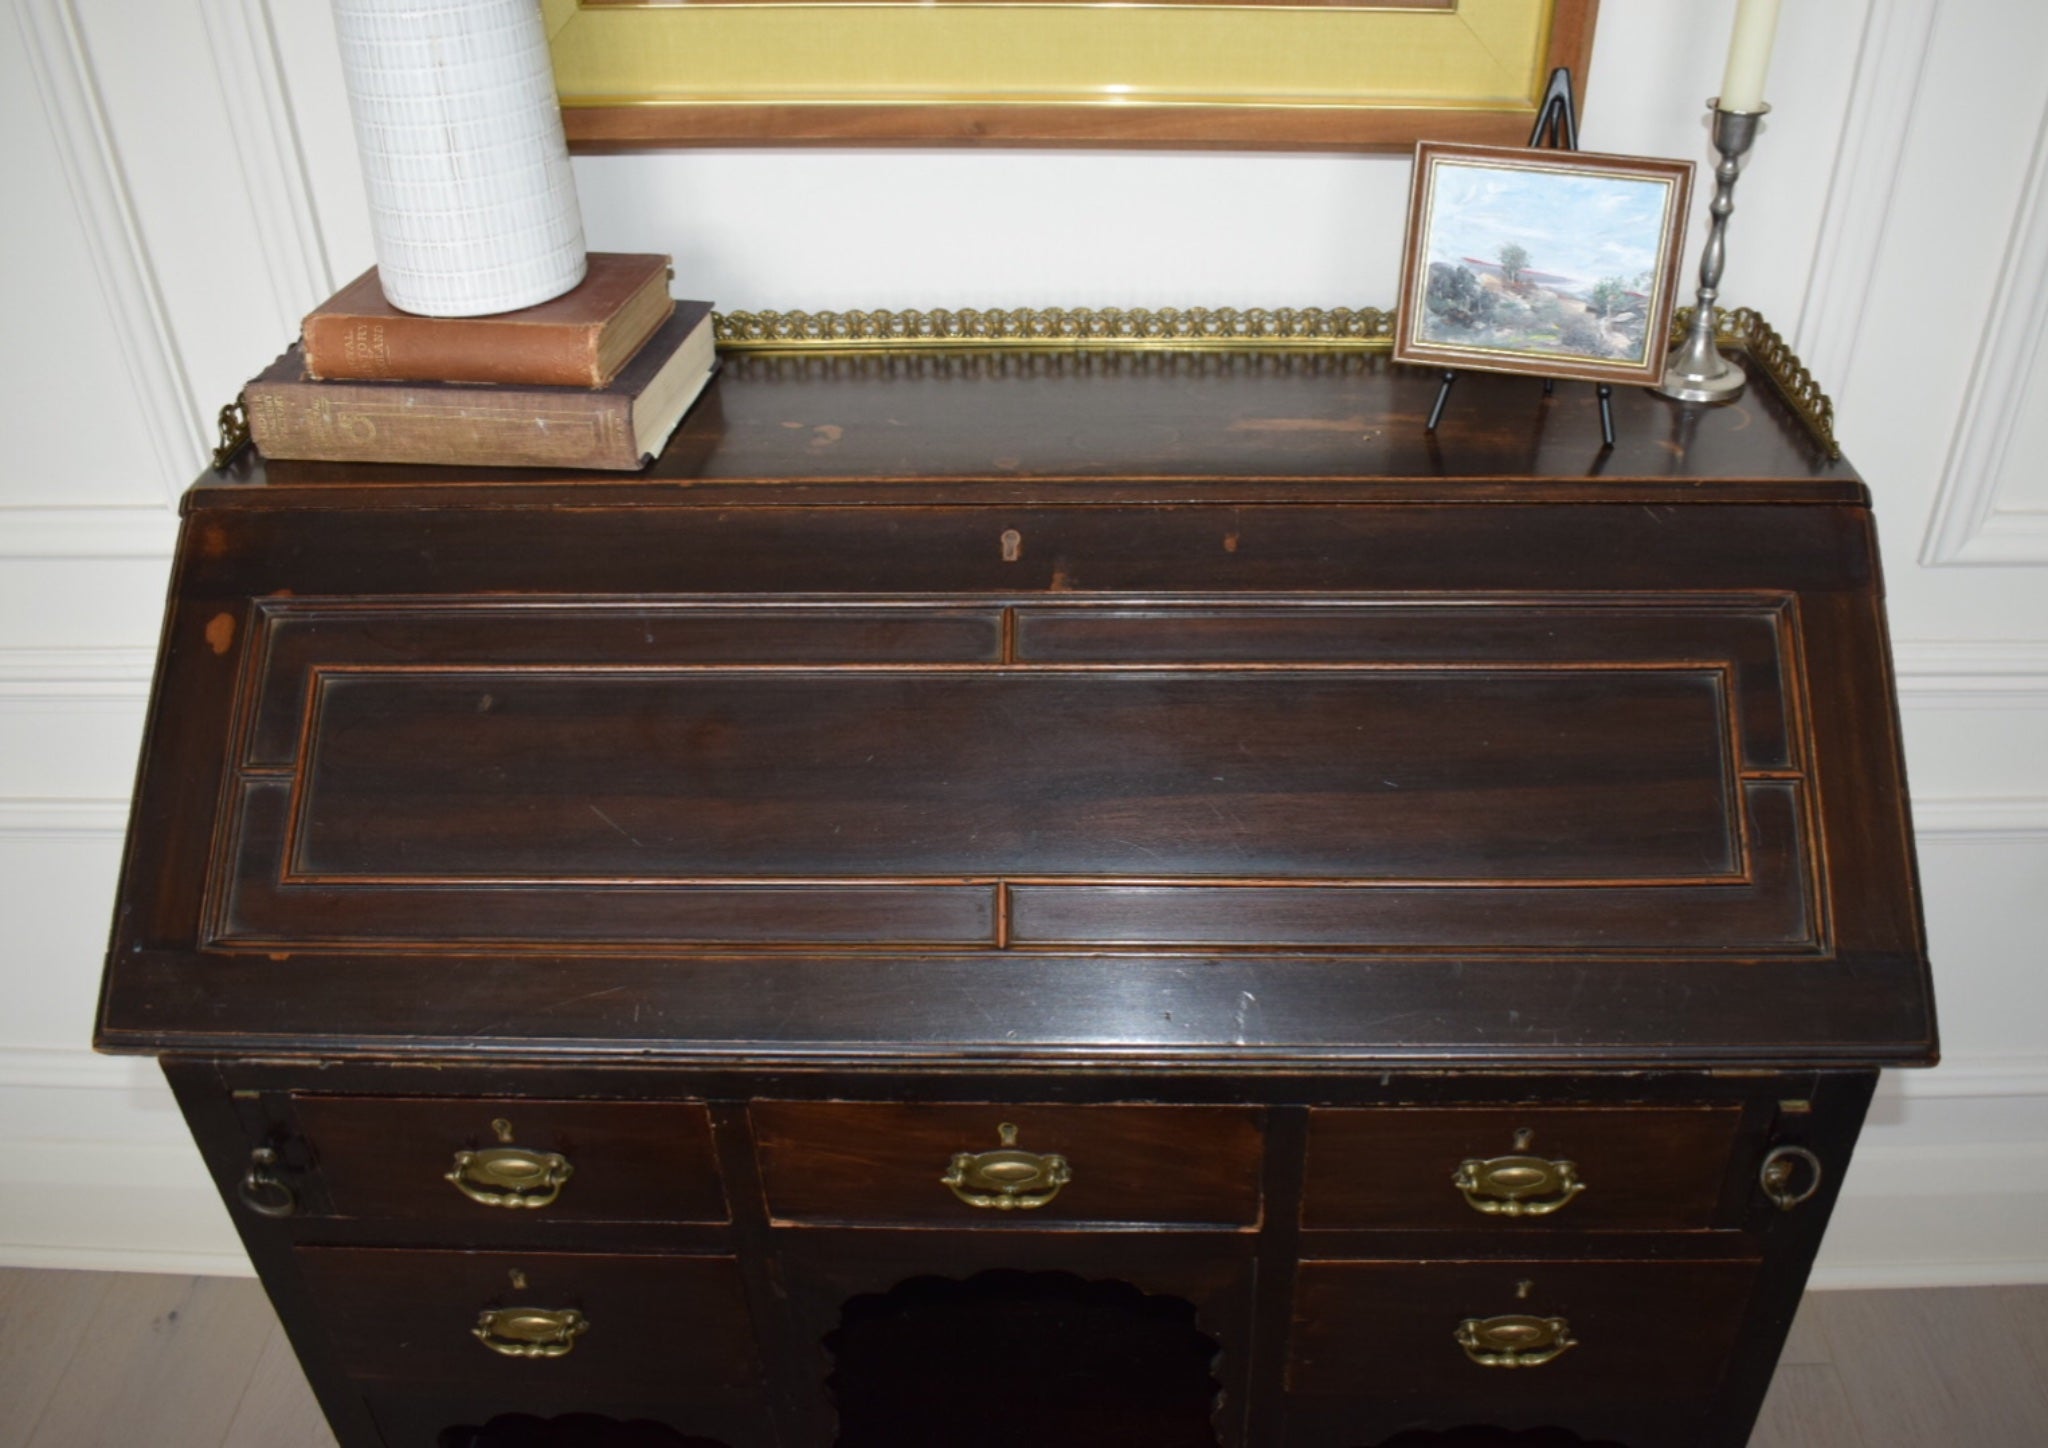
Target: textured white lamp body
472,204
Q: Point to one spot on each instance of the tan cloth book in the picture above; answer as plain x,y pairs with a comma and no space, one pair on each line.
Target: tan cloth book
618,427
580,339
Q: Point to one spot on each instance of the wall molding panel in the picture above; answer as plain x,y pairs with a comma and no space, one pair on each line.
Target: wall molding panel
186,1263
1968,525
1975,1203
73,673
273,166
71,1068
1891,57
70,1198
1990,1079
53,820
89,531
83,140
1972,673
1987,819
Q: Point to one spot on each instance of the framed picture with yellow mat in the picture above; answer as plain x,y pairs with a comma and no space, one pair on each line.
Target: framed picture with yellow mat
1248,74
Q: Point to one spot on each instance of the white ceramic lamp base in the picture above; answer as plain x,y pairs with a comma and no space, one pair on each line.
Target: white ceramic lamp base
472,203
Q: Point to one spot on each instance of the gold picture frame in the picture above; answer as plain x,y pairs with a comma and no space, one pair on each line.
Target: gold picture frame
1589,296
1248,74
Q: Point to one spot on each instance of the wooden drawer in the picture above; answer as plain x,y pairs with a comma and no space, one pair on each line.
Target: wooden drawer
1644,1168
676,1327
381,1156
1645,1331
876,1162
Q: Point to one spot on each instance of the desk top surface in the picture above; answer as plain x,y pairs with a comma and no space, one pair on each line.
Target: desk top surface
1097,426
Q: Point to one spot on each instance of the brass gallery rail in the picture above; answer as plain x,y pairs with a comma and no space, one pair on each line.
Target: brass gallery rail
1354,329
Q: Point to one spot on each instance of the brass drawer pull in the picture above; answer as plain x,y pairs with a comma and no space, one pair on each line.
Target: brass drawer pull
510,1176
262,1190
530,1332
1515,1341
1517,1186
1777,1173
1009,1178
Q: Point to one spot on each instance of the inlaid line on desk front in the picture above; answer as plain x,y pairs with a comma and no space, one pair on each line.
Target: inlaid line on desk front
1750,633
1357,774
962,771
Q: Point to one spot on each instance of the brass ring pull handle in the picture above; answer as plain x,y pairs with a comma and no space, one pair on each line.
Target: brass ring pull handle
1775,1177
530,1332
510,1176
1515,1341
1517,1186
1008,1179
262,1190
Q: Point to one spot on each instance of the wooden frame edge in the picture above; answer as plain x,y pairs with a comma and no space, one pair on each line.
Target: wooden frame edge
602,129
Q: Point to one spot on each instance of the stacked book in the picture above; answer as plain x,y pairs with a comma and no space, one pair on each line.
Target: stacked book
597,378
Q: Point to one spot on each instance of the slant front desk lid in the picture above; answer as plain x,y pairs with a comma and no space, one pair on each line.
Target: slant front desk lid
1107,738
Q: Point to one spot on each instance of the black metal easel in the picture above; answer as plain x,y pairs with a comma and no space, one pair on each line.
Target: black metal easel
1557,126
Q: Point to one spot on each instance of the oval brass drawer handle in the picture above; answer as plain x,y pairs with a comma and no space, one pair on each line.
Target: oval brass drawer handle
1009,1178
510,1176
1517,1186
530,1332
1515,1341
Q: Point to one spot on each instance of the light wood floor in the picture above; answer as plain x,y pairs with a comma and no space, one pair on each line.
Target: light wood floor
99,1359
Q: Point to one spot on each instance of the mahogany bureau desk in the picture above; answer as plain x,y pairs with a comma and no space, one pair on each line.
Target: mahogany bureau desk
1020,898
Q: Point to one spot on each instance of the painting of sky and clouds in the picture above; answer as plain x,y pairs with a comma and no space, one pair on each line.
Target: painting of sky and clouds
1542,263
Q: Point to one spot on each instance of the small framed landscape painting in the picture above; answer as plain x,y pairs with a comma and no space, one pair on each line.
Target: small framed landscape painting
1553,263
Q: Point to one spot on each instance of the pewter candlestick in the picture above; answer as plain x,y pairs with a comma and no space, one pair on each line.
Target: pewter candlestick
1696,371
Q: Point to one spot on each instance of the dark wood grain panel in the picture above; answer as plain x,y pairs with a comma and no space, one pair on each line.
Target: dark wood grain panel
261,907
406,1315
1555,773
1858,745
631,1161
1742,635
1383,1332
1642,1168
1767,910
769,548
297,637
1144,1014
169,857
880,1162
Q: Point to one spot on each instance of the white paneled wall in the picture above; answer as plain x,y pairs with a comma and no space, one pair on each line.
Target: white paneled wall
179,184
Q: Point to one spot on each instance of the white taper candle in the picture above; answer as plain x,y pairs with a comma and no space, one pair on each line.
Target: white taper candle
1749,55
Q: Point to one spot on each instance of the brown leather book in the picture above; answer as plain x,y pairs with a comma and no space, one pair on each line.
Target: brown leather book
580,339
618,427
